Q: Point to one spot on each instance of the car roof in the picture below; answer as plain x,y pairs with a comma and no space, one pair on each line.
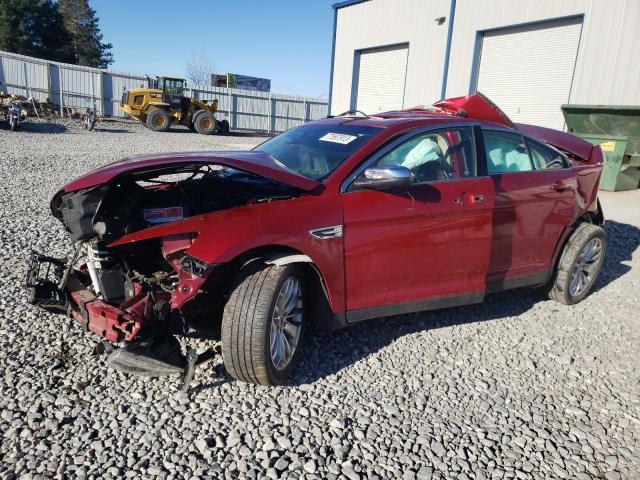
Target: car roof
415,117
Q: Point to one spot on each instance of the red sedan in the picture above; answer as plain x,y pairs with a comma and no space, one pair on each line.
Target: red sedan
328,224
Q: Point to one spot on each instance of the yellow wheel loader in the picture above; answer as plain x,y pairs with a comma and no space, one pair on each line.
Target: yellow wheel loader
159,108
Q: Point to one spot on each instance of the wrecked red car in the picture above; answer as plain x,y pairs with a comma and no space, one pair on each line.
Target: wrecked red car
328,224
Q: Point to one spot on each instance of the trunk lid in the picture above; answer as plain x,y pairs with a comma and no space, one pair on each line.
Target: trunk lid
259,163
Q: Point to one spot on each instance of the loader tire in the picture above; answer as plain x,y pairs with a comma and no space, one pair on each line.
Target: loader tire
255,316
223,127
158,120
579,265
205,123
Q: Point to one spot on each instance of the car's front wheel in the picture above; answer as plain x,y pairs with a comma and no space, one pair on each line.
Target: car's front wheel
579,265
263,323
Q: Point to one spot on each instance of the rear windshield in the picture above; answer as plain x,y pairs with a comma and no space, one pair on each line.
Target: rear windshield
315,151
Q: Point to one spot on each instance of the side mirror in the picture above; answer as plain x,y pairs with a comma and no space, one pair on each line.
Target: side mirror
384,177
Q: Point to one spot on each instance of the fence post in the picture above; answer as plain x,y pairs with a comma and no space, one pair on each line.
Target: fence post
49,86
230,108
101,91
61,90
269,117
305,116
24,73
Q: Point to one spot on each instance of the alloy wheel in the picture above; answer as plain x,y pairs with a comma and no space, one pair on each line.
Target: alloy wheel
286,323
586,267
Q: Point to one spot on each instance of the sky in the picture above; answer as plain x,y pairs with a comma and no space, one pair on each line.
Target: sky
288,41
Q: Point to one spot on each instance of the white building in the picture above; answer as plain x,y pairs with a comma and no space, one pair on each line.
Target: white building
528,56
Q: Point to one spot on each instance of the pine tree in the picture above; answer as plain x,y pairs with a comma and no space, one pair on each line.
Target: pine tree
17,18
81,23
34,27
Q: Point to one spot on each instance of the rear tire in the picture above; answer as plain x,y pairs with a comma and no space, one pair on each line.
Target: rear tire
205,123
223,127
253,328
579,265
158,120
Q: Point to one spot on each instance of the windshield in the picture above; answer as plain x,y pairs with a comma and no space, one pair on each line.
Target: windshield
316,150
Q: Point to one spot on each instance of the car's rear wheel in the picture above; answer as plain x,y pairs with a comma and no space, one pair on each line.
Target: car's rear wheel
579,265
158,120
263,323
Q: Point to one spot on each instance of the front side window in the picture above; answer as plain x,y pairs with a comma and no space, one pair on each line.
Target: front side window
316,150
545,158
506,152
435,156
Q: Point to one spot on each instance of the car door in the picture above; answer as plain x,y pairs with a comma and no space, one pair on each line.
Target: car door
422,246
534,203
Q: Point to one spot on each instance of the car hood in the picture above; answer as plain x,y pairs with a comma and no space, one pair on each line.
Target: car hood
259,163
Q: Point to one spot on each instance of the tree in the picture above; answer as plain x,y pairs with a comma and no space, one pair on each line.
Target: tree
34,27
199,69
64,31
81,23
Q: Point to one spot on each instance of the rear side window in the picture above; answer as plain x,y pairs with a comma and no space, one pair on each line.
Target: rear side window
506,152
544,157
436,155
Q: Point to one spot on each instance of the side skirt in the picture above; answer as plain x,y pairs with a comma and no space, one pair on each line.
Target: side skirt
355,316
535,279
341,320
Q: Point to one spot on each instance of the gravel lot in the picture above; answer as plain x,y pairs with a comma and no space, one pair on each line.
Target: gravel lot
518,387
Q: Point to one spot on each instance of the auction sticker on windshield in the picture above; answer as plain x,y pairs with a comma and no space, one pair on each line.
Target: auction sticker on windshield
338,138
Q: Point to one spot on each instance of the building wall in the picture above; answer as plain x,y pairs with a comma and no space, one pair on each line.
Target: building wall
607,70
378,23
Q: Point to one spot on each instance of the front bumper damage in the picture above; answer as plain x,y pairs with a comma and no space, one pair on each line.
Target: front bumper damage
59,288
145,322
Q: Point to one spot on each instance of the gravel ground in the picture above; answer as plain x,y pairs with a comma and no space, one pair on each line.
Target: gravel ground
518,387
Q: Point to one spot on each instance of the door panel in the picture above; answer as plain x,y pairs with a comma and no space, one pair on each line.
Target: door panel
534,203
529,217
426,241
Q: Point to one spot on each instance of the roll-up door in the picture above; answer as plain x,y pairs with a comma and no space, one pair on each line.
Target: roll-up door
527,71
380,79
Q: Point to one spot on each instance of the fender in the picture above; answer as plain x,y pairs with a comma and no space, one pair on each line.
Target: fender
222,236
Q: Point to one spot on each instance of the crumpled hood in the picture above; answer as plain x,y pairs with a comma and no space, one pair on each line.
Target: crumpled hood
256,162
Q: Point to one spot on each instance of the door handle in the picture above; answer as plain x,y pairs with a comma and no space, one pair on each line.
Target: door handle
559,186
470,198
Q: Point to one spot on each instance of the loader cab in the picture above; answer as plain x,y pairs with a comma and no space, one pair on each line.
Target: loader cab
172,90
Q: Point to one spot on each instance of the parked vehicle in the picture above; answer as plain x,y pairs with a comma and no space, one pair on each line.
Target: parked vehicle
14,116
159,108
329,224
89,118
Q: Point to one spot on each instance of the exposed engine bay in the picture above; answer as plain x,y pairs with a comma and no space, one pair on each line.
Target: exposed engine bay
122,292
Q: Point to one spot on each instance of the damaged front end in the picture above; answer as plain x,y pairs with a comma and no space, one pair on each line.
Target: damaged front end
140,289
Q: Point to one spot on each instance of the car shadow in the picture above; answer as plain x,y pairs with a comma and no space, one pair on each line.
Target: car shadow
328,353
111,130
37,127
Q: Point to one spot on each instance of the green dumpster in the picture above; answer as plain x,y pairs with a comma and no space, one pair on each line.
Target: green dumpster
617,130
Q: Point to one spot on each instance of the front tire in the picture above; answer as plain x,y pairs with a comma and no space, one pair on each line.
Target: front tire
263,323
579,265
158,120
13,124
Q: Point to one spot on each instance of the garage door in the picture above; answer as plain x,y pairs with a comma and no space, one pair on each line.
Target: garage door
527,71
381,78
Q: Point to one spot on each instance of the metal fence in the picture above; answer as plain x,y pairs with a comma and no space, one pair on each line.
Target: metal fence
68,85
